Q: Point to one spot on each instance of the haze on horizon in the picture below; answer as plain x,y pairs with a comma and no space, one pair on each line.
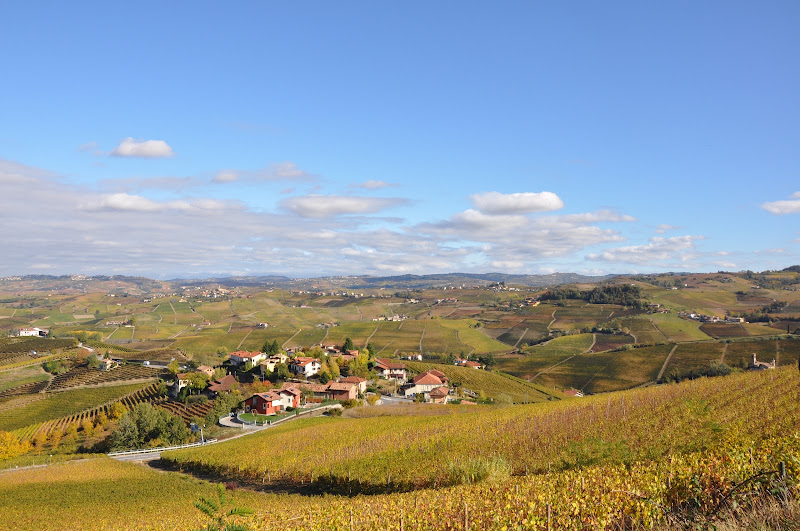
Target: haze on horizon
190,140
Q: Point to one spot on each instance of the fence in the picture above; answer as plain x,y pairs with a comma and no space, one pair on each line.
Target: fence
287,417
162,449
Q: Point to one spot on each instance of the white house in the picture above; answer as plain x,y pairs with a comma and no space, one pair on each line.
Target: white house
305,366
242,356
33,332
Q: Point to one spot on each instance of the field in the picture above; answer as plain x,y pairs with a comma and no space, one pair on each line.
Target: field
592,463
20,412
490,383
538,358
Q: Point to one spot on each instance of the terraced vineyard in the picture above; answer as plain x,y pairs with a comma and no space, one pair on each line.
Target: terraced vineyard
80,376
26,410
186,412
143,394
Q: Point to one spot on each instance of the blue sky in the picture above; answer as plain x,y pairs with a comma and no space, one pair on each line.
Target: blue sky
311,138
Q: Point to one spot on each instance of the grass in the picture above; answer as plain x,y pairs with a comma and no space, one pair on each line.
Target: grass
677,329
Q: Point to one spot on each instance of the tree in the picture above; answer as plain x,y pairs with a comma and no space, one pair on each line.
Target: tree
92,361
271,347
147,425
11,446
281,372
174,367
348,344
117,410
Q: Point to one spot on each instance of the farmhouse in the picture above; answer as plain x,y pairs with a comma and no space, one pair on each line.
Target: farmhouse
422,383
756,365
33,332
305,366
220,385
439,395
267,403
390,369
241,357
360,383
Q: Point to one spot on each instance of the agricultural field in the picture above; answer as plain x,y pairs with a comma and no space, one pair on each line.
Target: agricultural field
676,329
20,412
21,376
657,426
472,337
490,383
694,357
538,358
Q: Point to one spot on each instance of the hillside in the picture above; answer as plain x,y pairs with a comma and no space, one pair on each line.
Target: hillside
663,457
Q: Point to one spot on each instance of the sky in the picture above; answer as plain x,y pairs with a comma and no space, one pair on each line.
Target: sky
313,138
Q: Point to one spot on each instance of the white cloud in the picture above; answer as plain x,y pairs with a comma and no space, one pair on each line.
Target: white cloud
148,149
474,220
137,203
659,249
320,206
519,203
661,229
789,206
225,176
283,171
373,185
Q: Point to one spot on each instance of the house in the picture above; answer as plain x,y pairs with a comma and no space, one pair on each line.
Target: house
439,395
291,397
220,385
268,403
756,365
342,391
422,383
240,357
439,374
33,332
106,364
181,381
390,369
268,365
205,369
473,364
574,392
360,383
328,391
305,366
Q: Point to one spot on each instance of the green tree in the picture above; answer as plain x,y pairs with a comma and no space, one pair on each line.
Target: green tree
174,367
271,347
348,344
92,361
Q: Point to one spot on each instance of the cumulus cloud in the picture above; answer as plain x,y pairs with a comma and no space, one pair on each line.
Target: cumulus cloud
372,184
661,229
789,206
148,149
518,203
659,249
283,171
137,203
226,176
321,206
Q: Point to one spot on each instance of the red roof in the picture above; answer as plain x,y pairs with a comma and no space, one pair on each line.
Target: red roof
353,379
389,364
439,374
426,378
223,384
440,392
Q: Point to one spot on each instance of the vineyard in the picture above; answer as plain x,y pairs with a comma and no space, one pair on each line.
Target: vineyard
144,394
186,412
630,467
37,344
644,426
80,376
